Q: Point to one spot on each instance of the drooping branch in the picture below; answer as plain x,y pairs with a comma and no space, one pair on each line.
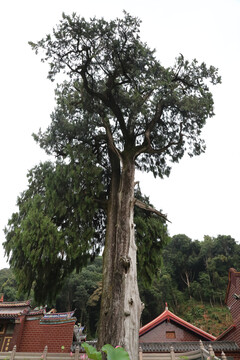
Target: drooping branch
146,207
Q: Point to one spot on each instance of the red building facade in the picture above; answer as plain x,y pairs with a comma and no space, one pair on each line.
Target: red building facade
232,300
31,330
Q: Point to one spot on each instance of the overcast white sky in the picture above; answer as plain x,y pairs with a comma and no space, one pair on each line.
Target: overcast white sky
201,196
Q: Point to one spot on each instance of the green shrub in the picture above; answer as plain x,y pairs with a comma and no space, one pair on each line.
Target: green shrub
117,353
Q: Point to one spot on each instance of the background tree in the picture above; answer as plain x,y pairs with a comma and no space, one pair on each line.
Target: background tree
118,109
8,285
76,293
205,308
184,261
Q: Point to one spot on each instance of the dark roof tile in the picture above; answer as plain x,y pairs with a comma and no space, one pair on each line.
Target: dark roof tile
185,346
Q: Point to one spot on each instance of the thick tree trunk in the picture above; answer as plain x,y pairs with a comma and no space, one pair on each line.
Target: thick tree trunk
121,305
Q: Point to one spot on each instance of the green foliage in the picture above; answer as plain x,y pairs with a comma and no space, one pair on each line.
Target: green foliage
91,351
117,104
151,237
205,264
54,230
117,353
205,308
77,292
211,318
8,285
116,82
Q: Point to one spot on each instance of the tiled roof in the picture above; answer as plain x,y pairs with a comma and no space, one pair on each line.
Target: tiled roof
13,304
168,315
185,346
8,313
64,315
56,318
37,312
14,309
57,321
233,326
9,310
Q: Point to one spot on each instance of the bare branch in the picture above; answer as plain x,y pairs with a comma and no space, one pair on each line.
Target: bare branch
146,207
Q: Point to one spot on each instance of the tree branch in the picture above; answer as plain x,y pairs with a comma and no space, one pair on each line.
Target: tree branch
150,150
146,146
107,98
146,207
111,143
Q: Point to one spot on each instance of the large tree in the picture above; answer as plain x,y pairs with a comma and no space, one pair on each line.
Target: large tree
118,109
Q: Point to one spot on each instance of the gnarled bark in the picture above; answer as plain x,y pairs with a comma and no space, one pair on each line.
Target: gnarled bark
120,296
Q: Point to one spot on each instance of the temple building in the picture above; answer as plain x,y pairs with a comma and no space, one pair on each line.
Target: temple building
169,327
170,331
32,329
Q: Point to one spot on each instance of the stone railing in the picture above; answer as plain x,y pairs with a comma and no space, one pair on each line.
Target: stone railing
199,354
45,355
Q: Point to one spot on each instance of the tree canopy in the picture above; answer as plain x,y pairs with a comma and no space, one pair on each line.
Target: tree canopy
117,109
59,227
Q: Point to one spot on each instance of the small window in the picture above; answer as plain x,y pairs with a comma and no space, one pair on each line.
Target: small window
170,335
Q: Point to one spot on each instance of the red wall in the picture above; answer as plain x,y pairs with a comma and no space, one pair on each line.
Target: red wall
18,331
233,335
233,287
36,336
158,334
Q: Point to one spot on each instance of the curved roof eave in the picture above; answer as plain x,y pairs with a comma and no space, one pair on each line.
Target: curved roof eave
168,315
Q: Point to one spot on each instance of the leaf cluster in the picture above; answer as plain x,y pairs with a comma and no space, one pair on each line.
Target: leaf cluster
151,238
118,97
117,353
192,271
58,227
61,224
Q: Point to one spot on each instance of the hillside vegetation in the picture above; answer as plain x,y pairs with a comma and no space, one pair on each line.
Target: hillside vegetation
213,319
192,279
